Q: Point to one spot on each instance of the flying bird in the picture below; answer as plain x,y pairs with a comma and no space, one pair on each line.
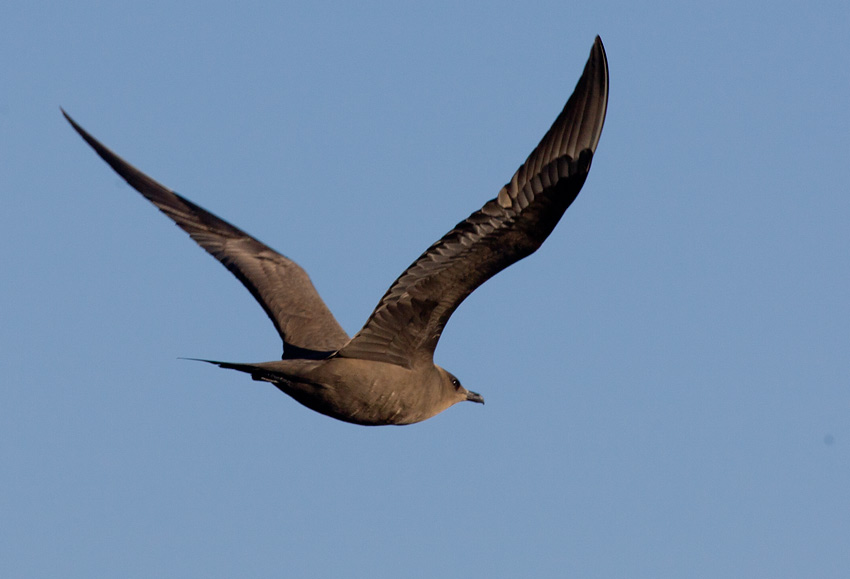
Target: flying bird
386,374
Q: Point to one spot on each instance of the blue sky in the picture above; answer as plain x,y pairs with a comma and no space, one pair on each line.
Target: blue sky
667,379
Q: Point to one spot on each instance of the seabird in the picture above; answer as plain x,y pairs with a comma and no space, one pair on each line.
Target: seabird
386,374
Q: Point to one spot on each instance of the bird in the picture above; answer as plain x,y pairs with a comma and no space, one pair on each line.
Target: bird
386,373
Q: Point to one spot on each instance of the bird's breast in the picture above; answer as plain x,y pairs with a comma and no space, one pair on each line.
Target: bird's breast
367,392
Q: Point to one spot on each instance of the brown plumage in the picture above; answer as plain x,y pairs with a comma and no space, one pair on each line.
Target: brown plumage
386,374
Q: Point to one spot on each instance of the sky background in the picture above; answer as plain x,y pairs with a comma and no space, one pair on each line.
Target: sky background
667,378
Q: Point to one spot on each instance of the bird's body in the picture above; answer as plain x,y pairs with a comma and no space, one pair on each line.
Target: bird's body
386,374
362,391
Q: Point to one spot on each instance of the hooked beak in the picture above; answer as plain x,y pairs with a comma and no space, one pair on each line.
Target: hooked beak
474,397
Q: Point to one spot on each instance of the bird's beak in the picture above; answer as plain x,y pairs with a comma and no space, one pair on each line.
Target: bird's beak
474,397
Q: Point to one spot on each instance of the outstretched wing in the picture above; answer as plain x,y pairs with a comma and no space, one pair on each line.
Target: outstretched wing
405,326
282,287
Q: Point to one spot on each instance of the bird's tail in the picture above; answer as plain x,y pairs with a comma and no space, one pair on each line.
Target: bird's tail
256,371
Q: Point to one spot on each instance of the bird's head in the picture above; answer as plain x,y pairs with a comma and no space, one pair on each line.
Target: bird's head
453,389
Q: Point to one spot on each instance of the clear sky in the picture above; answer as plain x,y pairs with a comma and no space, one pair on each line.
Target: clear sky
667,379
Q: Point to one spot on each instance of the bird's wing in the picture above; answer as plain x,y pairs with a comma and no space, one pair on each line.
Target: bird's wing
406,324
282,287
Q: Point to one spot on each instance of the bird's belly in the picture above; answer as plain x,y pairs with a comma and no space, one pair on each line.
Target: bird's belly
361,392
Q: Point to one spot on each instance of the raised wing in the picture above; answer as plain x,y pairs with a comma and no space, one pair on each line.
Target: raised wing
282,287
405,326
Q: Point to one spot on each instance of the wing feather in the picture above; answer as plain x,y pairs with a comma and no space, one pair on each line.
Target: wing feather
284,290
407,323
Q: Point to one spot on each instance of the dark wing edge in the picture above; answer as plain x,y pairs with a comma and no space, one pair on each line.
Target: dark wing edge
284,290
407,323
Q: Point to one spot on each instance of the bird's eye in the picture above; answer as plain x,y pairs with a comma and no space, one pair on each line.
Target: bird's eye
455,382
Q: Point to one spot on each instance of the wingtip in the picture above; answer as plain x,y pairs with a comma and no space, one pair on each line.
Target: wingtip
69,119
138,180
81,131
599,49
596,70
597,53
